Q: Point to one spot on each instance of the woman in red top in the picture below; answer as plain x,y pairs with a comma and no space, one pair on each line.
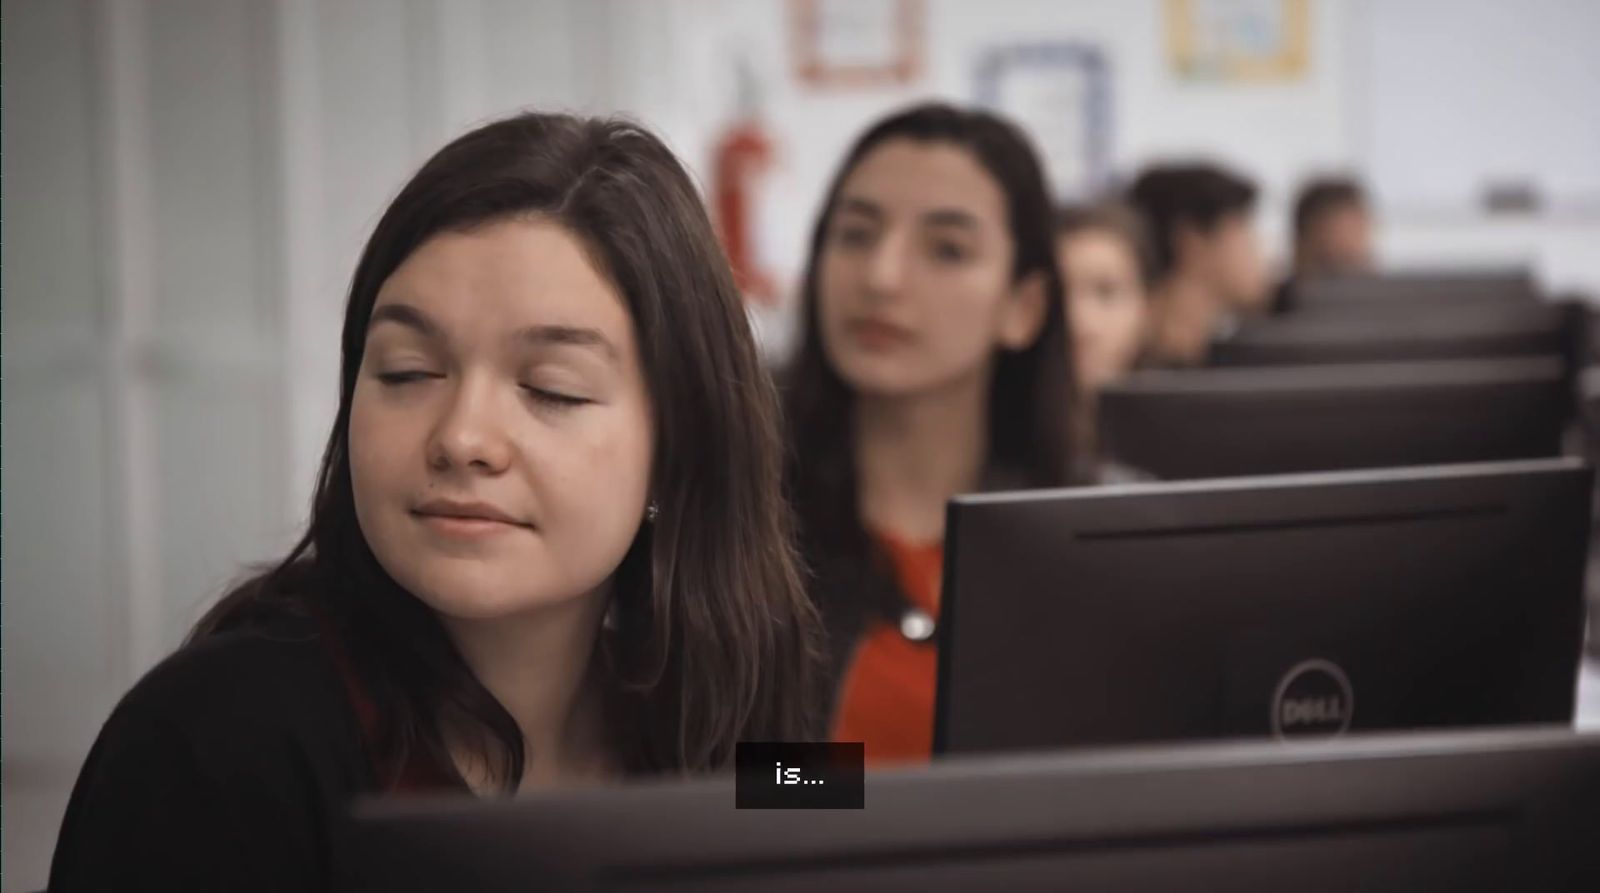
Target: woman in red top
933,362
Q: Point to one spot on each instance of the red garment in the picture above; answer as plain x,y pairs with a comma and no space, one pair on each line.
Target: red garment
888,693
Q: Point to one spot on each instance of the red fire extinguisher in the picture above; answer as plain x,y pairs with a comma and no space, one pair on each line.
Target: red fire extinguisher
742,155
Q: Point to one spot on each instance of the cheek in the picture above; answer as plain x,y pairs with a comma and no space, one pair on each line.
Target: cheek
833,303
1355,242
1139,314
380,478
1248,255
1254,274
1085,318
962,312
833,287
1129,324
1114,327
387,465
598,477
596,490
377,437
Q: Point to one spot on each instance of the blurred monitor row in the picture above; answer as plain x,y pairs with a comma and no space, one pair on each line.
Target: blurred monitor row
1363,371
1365,529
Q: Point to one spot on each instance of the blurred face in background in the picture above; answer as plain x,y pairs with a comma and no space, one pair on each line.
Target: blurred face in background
915,291
1227,257
1106,302
500,432
1339,240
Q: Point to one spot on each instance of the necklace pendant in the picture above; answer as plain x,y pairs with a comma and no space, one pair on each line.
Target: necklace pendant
916,625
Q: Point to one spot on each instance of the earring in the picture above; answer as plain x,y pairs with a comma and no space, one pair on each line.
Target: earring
652,511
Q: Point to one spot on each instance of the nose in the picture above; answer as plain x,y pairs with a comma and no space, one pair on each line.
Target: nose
470,434
886,266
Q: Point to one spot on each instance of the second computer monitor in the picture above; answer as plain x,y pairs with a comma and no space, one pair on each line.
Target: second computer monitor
1399,288
1531,330
1277,420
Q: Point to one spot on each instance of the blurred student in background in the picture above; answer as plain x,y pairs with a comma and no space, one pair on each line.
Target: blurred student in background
1332,234
933,362
1107,266
548,542
1209,269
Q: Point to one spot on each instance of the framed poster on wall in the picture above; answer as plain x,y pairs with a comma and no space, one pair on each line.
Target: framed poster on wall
1240,41
858,43
1060,94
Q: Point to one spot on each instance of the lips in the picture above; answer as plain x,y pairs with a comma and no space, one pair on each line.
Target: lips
876,333
480,512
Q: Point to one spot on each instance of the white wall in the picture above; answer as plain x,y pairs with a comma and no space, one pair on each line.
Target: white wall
1337,118
144,362
1512,89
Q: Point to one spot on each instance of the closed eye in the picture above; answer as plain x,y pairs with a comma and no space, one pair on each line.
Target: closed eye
556,399
400,378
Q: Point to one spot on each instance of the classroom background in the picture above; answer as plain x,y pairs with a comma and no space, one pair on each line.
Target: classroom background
188,183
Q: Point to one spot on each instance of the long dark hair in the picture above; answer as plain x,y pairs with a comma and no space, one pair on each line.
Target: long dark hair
1030,399
714,640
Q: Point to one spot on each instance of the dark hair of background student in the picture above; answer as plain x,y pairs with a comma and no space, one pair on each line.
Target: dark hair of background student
713,639
1194,194
1321,195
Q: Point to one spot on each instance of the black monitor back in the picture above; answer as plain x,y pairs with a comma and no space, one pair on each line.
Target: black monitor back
1510,330
1438,288
1226,422
1464,813
1299,605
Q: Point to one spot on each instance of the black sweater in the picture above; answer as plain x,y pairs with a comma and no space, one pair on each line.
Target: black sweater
228,767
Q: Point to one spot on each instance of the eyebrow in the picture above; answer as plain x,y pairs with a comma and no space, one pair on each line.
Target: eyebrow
951,217
405,315
860,206
568,335
954,217
577,336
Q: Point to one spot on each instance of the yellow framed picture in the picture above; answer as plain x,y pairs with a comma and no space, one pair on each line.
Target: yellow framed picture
1240,41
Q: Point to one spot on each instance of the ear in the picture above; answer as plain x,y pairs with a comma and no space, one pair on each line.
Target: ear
1024,311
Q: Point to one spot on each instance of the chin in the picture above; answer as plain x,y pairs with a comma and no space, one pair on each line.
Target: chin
477,607
471,594
885,386
878,377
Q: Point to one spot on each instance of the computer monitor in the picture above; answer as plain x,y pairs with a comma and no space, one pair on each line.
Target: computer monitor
1225,422
1507,330
1267,607
1400,287
1464,813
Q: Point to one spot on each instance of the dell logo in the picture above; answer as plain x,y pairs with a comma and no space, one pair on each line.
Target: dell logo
1314,699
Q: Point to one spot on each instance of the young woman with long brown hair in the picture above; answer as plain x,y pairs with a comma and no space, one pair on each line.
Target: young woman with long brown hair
933,362
547,544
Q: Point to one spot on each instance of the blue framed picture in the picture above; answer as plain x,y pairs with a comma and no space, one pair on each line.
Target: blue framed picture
1060,93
